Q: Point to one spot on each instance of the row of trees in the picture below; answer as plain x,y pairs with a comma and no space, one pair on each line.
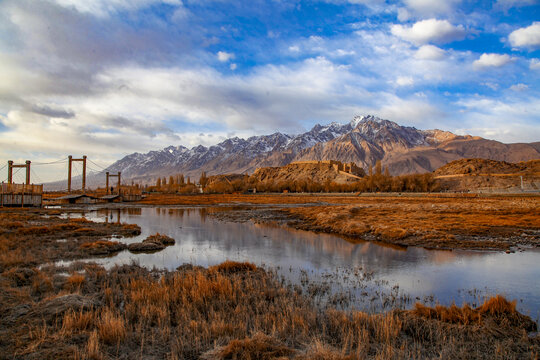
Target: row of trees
174,184
375,181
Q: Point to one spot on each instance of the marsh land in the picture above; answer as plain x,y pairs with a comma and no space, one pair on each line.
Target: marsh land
69,287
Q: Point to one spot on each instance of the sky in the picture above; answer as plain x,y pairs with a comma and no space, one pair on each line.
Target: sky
107,78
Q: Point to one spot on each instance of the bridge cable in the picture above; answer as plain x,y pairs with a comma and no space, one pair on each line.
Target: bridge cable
52,162
101,167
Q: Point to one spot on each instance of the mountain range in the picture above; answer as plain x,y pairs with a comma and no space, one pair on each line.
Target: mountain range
364,140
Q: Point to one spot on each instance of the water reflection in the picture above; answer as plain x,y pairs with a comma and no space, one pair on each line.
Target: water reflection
447,275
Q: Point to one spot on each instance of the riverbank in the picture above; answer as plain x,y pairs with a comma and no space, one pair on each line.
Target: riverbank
507,223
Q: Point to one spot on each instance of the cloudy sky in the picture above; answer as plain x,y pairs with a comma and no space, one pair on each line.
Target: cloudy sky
107,78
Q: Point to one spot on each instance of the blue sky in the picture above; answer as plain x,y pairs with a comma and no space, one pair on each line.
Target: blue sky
110,77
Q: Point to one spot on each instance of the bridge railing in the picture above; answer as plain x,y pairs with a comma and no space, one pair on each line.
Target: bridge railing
6,188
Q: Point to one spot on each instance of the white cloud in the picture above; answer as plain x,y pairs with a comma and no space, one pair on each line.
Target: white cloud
507,4
492,60
431,7
526,37
491,85
294,48
534,64
367,2
103,8
341,52
431,30
410,111
233,66
224,56
507,120
519,87
404,81
403,14
430,52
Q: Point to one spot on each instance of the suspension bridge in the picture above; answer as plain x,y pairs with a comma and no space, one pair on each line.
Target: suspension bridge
83,184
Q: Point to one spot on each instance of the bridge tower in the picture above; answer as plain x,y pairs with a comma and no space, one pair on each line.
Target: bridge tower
10,170
108,175
70,162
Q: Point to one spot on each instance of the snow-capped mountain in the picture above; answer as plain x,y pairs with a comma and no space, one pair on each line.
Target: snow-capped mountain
364,140
232,155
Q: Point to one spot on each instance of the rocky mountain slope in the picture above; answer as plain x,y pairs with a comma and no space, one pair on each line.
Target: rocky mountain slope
478,174
364,140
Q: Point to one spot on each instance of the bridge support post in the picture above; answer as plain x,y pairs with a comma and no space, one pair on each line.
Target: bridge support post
70,160
10,172
28,172
119,175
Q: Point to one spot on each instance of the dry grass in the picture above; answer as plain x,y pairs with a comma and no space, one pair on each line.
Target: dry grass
256,347
102,247
232,267
111,327
77,321
246,314
92,347
452,314
160,238
438,222
75,281
34,230
497,305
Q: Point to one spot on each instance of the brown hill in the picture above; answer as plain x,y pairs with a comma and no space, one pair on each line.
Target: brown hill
485,174
310,171
486,166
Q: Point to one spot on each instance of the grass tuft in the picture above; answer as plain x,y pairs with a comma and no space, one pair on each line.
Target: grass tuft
259,346
111,327
231,267
75,281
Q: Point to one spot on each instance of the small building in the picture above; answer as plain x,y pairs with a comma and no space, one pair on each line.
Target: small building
77,199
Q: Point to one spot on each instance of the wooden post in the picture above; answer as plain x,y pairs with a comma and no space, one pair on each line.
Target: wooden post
107,182
28,172
119,174
10,172
70,160
84,174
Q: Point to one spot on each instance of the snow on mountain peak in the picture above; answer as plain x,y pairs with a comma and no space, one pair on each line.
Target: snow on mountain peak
365,118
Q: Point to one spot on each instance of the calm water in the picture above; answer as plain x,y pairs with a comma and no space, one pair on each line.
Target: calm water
368,273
